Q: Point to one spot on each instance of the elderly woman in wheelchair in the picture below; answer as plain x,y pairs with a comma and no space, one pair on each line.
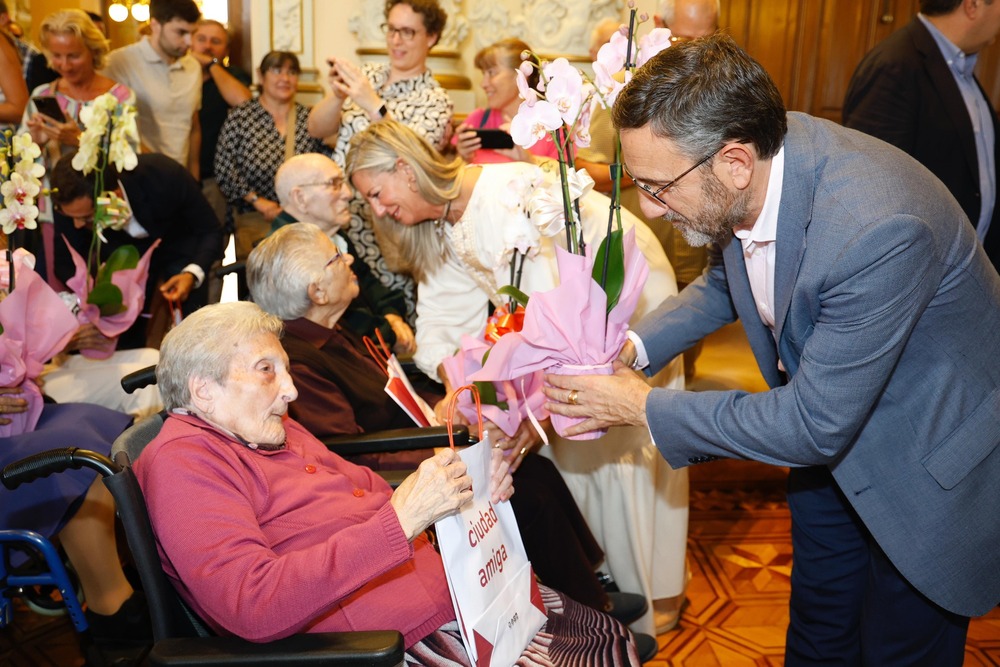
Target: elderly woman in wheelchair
301,276
266,533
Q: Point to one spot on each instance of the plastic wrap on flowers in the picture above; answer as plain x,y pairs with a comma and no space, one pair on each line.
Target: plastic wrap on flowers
518,395
567,333
131,282
36,326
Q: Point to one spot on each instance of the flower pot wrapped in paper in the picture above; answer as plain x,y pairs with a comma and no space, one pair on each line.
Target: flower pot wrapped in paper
36,326
506,403
114,299
569,329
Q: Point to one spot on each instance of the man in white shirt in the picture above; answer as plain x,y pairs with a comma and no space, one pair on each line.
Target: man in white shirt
167,82
874,315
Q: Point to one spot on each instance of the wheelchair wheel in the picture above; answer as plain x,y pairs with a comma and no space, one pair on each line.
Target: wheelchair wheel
44,600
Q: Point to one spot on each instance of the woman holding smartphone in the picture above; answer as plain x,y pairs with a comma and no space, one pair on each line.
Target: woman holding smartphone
403,89
75,48
499,62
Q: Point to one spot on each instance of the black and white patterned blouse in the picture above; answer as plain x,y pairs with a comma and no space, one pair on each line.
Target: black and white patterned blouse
422,104
250,150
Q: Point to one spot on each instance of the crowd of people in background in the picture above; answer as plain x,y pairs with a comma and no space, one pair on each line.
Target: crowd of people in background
379,210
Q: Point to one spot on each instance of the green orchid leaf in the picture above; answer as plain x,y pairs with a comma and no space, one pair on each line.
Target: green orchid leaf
108,298
514,293
615,277
488,395
125,257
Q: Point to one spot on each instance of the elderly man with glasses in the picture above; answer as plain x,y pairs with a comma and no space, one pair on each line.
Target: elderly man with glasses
311,188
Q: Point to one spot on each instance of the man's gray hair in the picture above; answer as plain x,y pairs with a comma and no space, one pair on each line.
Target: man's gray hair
203,346
281,268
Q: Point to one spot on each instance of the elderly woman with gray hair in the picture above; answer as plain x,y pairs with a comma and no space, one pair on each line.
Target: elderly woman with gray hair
266,533
301,276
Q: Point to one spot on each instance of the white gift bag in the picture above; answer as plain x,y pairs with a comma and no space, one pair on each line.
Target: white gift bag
493,587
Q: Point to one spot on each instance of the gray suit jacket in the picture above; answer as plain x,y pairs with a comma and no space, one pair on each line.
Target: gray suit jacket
888,323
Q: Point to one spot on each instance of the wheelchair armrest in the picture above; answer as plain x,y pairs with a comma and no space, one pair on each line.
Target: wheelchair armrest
226,269
377,649
396,440
139,379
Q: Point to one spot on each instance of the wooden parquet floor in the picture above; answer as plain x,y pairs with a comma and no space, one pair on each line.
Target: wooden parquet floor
739,552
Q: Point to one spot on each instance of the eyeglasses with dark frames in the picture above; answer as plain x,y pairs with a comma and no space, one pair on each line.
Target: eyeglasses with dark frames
405,33
655,194
341,245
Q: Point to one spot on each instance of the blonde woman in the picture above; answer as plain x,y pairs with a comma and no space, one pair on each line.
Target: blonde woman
455,228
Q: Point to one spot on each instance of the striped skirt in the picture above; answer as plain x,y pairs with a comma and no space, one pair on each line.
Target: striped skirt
573,636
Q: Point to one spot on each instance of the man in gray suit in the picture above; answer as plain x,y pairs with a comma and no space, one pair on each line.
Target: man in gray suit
874,315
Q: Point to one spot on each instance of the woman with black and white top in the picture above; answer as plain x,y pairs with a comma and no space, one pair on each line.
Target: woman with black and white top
403,89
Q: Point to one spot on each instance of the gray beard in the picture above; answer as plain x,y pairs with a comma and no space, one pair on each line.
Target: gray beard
696,239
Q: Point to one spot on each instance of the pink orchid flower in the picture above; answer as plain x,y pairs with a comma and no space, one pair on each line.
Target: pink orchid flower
528,93
651,44
533,122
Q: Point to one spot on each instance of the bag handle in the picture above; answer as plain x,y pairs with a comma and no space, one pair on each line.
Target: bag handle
379,351
290,132
451,412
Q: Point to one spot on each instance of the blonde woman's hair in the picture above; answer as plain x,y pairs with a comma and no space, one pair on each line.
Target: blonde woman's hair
75,22
414,249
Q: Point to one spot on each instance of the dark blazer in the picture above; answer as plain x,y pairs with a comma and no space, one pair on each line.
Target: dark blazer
904,93
887,321
168,203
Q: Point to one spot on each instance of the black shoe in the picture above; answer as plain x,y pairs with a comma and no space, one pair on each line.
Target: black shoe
608,582
626,607
130,624
645,646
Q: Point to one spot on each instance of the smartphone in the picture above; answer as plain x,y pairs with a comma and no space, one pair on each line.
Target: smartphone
49,106
494,139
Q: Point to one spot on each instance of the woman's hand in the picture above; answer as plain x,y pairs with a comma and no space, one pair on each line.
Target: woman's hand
517,153
468,141
10,403
88,337
347,80
406,342
439,487
501,482
524,441
66,133
268,208
36,128
441,409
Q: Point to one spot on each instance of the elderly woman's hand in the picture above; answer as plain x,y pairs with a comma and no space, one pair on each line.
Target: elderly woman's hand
438,488
10,403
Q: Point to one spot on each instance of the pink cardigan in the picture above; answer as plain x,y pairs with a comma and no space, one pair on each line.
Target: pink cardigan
268,544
